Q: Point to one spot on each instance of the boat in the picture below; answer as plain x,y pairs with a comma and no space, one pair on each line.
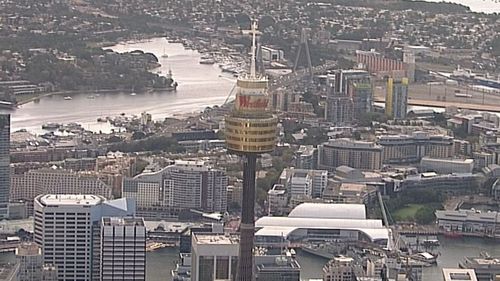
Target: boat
430,243
68,98
425,257
169,83
207,60
164,54
151,246
51,126
133,94
452,234
91,97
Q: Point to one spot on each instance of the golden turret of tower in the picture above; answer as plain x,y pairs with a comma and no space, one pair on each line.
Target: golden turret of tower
251,126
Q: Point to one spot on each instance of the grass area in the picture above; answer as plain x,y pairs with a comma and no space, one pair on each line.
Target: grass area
407,213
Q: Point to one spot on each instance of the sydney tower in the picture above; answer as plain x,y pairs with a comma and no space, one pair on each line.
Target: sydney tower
250,131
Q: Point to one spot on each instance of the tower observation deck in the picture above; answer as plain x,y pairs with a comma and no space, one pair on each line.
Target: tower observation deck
250,130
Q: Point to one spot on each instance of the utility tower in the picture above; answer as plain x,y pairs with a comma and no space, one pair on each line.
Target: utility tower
250,131
304,47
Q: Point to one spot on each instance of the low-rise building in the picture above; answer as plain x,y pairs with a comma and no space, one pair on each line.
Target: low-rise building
459,274
446,165
469,221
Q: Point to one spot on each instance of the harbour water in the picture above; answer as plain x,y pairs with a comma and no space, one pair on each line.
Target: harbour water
480,6
199,86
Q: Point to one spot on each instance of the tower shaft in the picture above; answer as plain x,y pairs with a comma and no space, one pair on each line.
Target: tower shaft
247,226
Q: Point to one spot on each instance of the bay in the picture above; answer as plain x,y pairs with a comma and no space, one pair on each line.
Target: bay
199,86
480,6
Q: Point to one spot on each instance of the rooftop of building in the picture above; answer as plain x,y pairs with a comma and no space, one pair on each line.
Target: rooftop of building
122,221
329,211
458,274
449,160
28,249
350,143
467,215
272,263
216,239
70,199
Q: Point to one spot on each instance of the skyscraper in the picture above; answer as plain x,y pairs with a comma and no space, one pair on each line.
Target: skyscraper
123,249
4,165
67,229
250,131
396,100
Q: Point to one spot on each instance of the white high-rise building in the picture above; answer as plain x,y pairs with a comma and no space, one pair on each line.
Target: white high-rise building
214,256
66,227
301,182
123,249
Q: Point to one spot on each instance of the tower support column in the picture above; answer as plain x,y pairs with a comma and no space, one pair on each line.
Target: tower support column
247,226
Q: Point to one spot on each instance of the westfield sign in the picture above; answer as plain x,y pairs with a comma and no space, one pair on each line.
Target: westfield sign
252,102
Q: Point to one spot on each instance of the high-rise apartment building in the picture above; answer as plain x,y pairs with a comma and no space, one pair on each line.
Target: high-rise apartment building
182,186
346,152
396,99
301,182
67,229
123,249
339,110
4,165
32,183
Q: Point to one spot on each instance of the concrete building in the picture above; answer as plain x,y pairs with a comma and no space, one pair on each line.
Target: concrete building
31,266
182,186
446,166
306,157
4,165
27,186
449,182
339,269
308,183
270,54
485,267
400,149
339,110
123,249
396,100
67,230
347,152
458,274
469,221
214,256
276,268
277,200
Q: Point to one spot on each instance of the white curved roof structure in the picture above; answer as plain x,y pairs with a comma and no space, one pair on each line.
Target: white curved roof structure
329,211
317,223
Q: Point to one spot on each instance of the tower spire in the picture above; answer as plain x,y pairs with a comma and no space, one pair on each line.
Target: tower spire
252,65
